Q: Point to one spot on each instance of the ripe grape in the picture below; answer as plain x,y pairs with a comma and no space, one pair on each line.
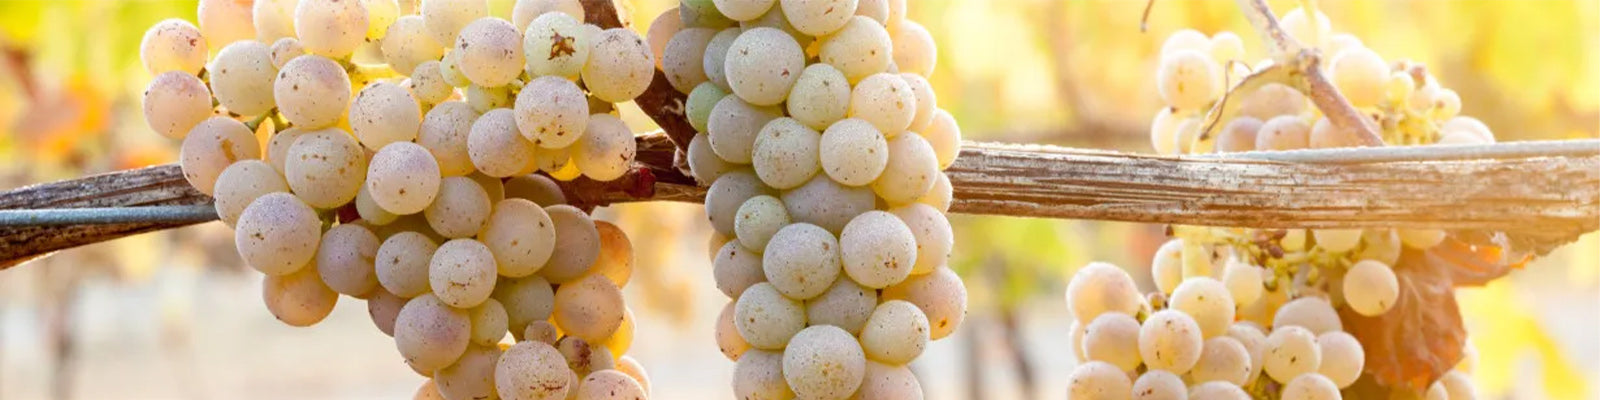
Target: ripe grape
683,57
428,391
590,308
620,66
785,155
1156,384
211,147
1326,135
1075,334
606,150
1311,386
733,127
1218,390
802,261
384,113
1166,269
402,263
1370,288
933,234
758,219
729,192
325,168
886,101
762,64
471,376
298,298
242,183
552,112
273,19
527,300
824,361
861,48
1469,128
940,295
877,249
854,152
429,86
911,170
1342,358
312,91
1313,313
520,235
1223,358
462,273
1113,338
460,209
330,28
1185,39
895,333
286,49
277,234
539,189
1421,238
735,268
927,106
1226,47
1360,74
1254,342
759,375
767,320
430,334
716,57
403,178
1100,288
175,102
381,14
729,342
173,45
940,196
1272,100
704,164
846,305
532,370
525,12
1291,351
489,323
384,307
1382,245
1096,380
495,145
1285,132
1164,131
826,203
369,211
1312,33
743,10
820,17
1243,282
888,382
345,259
1170,340
450,70
1240,134
1337,240
820,97
1207,301
446,18
1189,79
444,133
491,52
701,100
242,76
577,244
878,10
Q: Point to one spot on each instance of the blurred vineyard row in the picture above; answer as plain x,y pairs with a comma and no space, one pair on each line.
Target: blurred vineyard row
1066,72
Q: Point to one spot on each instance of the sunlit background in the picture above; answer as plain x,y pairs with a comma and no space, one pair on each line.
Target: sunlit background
176,315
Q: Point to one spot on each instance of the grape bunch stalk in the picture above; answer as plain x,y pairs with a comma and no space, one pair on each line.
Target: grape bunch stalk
824,147
1242,314
364,151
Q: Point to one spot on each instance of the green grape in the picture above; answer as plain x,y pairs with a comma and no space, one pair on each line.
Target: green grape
758,219
821,96
853,152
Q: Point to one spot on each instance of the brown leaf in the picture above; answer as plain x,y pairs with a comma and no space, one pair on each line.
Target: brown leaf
1421,338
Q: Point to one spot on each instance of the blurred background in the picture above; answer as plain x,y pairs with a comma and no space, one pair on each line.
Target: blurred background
174,315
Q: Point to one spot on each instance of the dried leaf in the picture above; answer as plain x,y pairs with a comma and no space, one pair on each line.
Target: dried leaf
1422,337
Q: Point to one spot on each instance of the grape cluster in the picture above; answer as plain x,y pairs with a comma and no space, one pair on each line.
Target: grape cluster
398,167
823,145
1243,314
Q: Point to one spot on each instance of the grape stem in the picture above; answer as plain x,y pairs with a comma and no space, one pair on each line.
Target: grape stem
1306,63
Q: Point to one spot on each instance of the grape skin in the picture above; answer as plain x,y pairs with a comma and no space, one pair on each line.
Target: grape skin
716,57
312,92
802,261
877,249
1272,100
1240,134
273,19
495,145
525,12
173,45
1100,288
1166,268
911,170
212,146
662,29
577,244
175,102
526,300
927,106
1311,386
1291,351
471,376
854,152
345,259
606,150
326,168
521,236
384,113
940,196
820,97
785,153
381,14
820,17
700,102
888,382
460,209
552,112
940,295
759,375
914,49
861,48
384,307
446,18
758,219
762,64
704,163
431,335
242,75
886,101
768,320
286,49
1188,79
1342,358
1096,380
683,57
1170,340
1164,132
846,305
539,189
370,212
1360,74
590,308
444,132
1370,288
330,28
531,370
1113,338
895,333
462,273
1284,132
428,85
299,298
1254,342
1220,390
277,234
735,269
491,52
729,341
1207,301
402,263
403,178
489,323
1156,384
729,192
1243,281
620,66
1222,358
242,183
733,127
824,361
933,234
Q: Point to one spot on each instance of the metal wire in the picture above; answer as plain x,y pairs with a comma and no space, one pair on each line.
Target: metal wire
1363,155
107,215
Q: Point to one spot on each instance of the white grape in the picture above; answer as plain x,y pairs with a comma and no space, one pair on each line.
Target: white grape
173,45
620,66
491,52
1458,385
914,49
886,101
846,305
242,76
1468,127
1097,380
527,300
532,370
606,150
768,320
776,19
384,307
854,152
273,19
381,14
1254,342
1185,39
716,57
1113,338
743,10
735,268
445,132
556,44
520,235
888,382
524,12
1218,390
1188,79
1313,313
729,342
1291,351
820,17
1370,288
408,43
1421,238
211,147
403,178
539,189
927,106
242,183
1223,358
1226,47
911,170
402,263
826,203
577,244
460,208
298,298
1166,268
1285,132
1342,358
330,28
729,192
1360,74
758,219
820,97
733,127
762,65
1311,33
895,333
940,295
1170,340
1243,282
345,259
384,113
430,334
785,153
1156,384
616,255
1240,134
369,210
933,233
1100,288
462,273
325,168
1272,100
1311,386
495,145
1207,301
802,260
1164,132
175,102
862,48
683,57
1337,240
1075,334
878,10
277,234
312,91
590,308
759,375
824,361
610,384
446,18
286,49
877,249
